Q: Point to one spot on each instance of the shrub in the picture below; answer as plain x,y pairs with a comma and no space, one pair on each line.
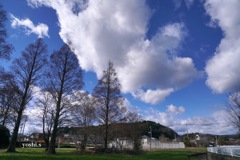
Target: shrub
4,136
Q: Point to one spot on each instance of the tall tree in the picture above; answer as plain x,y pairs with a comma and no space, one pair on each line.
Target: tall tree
234,110
5,47
65,76
84,115
27,71
107,91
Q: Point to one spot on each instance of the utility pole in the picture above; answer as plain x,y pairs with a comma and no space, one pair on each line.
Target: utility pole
187,131
150,133
216,141
26,118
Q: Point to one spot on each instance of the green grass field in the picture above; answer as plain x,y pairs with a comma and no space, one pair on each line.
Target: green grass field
69,154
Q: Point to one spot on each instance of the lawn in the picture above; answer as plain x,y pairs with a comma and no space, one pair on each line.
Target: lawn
69,154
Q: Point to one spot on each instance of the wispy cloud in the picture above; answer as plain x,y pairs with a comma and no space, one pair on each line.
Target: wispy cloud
215,123
179,3
41,30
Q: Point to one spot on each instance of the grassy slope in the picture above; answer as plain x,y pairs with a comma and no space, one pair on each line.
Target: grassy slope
63,154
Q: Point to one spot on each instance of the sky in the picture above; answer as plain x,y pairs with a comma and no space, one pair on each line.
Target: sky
176,60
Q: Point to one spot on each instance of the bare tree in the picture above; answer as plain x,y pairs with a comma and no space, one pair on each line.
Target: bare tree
234,109
8,102
84,115
5,48
12,95
46,104
128,129
134,129
107,91
64,76
10,99
27,70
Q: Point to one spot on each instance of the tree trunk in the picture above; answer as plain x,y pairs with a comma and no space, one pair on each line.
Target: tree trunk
51,149
45,136
106,138
107,116
46,146
106,132
13,141
46,140
84,142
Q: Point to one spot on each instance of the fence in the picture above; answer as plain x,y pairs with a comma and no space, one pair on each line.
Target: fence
146,144
159,145
233,151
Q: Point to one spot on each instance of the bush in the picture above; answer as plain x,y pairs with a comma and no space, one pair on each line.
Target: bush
137,145
67,146
4,136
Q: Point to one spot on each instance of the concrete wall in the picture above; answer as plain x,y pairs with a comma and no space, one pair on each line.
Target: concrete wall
155,144
146,144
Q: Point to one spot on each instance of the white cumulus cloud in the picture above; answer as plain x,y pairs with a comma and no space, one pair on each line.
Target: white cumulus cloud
41,30
168,118
223,68
175,110
152,96
100,31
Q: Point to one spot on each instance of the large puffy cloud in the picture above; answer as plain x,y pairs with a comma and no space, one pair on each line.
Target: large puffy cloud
41,30
167,118
223,68
100,31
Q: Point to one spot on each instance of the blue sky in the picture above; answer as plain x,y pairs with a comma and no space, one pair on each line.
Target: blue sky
177,60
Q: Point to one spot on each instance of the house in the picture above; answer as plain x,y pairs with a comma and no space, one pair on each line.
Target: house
36,137
23,138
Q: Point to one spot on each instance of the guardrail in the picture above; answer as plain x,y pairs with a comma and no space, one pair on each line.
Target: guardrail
233,151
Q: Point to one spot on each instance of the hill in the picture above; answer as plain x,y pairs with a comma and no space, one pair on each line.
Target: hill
157,130
143,128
